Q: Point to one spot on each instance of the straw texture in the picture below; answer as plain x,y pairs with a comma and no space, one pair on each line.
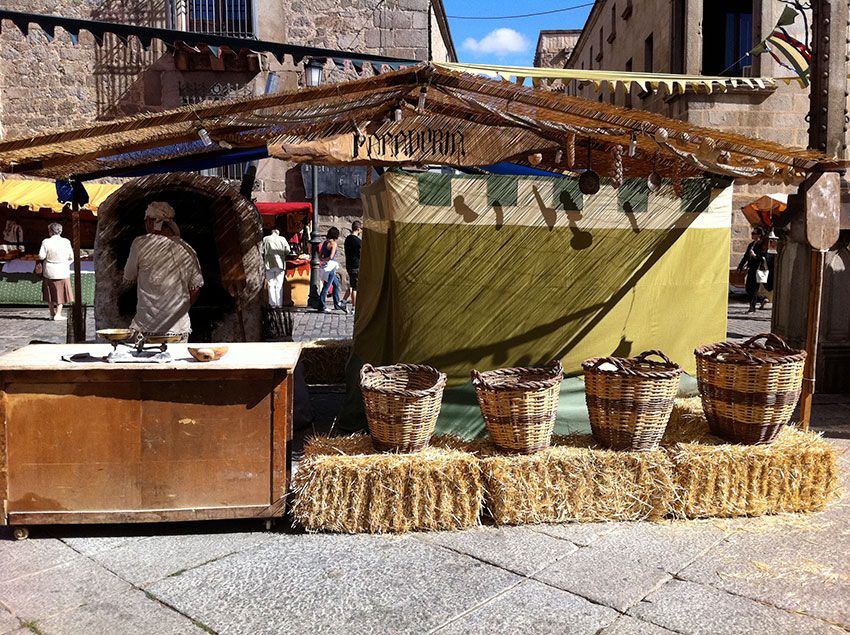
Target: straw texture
576,480
342,485
324,360
798,472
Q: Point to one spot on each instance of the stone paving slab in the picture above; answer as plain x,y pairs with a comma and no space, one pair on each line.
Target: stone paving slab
20,558
626,625
48,592
686,607
130,613
8,622
91,545
581,534
604,575
334,584
798,563
517,549
670,546
533,607
144,561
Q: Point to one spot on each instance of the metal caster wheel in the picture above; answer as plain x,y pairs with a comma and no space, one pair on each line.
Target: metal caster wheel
270,524
20,533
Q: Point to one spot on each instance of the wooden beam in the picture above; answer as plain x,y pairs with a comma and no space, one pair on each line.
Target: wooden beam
77,309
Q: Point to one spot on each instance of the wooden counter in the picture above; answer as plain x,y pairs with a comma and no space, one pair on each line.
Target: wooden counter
96,442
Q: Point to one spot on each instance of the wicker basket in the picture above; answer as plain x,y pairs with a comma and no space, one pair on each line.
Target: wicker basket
749,390
402,404
519,405
629,400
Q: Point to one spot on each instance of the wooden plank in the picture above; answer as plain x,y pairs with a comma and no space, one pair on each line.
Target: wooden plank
240,357
144,516
72,446
823,210
205,443
4,459
280,415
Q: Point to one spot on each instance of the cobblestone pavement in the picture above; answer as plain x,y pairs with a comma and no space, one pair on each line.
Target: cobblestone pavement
784,574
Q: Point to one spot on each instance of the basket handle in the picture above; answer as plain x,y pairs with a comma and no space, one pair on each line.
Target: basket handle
556,367
770,339
643,357
477,379
366,369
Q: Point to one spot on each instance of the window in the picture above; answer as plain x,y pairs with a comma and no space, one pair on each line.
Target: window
590,61
727,37
219,17
628,87
599,54
648,55
612,36
677,38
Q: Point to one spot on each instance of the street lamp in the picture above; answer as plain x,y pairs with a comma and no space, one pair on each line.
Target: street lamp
313,71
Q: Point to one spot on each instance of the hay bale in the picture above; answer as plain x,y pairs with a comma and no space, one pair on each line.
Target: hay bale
343,485
576,480
798,472
324,360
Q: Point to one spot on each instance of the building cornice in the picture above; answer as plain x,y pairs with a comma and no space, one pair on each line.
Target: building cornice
445,31
585,31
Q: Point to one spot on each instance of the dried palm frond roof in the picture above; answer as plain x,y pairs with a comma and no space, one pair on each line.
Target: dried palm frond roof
549,130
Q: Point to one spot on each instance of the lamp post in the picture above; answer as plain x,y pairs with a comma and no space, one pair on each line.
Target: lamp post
313,70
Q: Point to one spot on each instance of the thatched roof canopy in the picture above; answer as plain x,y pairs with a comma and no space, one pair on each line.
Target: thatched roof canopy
423,114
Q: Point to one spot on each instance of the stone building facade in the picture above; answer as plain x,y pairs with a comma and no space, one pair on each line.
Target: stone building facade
56,83
554,47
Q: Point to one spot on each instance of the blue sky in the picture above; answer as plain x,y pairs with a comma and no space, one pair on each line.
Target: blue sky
507,42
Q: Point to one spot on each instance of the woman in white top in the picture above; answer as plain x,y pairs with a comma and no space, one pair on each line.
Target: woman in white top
56,255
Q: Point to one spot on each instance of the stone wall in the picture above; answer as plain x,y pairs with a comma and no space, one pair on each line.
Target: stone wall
554,47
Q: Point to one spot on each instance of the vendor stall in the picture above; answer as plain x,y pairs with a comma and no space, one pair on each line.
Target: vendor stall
291,219
87,441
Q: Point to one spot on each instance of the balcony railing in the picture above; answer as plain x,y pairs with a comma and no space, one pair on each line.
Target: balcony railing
233,18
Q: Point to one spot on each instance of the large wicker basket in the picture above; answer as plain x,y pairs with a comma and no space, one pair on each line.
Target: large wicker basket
629,400
402,404
749,390
519,405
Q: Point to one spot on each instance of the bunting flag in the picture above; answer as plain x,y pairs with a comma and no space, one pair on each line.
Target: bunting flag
788,52
796,55
541,77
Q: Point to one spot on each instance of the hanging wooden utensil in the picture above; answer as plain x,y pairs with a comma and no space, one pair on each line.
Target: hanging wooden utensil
653,181
588,182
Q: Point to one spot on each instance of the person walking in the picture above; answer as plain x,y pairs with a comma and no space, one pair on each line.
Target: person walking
752,262
327,259
770,260
56,255
352,246
275,250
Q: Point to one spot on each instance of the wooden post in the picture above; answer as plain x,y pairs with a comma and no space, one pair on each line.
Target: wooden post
77,312
812,336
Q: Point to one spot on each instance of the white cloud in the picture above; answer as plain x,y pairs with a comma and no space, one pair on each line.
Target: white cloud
501,42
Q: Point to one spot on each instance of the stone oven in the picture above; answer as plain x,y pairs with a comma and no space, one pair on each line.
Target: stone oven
221,225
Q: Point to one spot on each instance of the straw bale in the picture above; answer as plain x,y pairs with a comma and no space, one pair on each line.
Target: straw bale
324,361
798,472
576,480
343,485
